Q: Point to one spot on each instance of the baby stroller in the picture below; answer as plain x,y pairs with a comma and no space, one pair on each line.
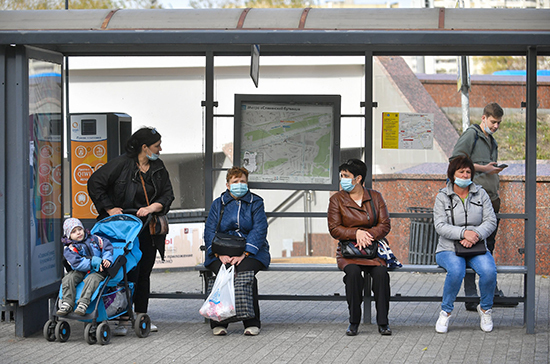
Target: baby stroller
113,297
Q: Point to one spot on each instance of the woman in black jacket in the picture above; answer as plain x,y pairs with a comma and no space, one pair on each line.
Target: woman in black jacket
118,186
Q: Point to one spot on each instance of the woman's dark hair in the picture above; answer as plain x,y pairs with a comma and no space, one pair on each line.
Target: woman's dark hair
458,163
355,167
145,135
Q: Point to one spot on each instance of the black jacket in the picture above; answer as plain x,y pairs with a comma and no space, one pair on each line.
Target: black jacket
116,183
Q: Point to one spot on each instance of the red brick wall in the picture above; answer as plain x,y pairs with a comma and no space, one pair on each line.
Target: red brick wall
507,94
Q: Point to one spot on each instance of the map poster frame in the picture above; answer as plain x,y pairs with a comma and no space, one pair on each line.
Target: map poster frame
298,132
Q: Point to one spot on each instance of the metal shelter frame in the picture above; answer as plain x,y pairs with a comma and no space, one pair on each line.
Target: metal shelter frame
210,43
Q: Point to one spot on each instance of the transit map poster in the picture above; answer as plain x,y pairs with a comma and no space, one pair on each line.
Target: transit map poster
288,140
407,130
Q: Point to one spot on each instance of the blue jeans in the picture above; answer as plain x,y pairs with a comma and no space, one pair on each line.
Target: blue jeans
483,265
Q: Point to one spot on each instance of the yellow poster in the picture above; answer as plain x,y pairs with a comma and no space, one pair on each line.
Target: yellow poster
390,130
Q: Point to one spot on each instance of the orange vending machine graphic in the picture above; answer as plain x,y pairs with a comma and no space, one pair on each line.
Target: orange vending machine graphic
95,139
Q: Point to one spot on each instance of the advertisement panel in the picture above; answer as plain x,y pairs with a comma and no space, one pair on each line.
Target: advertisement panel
182,246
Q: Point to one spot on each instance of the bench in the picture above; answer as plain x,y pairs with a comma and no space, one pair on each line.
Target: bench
368,298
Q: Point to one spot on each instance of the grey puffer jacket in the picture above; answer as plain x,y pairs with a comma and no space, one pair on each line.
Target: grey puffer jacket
475,213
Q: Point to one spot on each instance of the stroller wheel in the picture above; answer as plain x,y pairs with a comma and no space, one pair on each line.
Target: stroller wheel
49,330
103,333
89,334
142,326
62,331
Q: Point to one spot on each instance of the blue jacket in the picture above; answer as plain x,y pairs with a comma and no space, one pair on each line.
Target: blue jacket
243,217
86,255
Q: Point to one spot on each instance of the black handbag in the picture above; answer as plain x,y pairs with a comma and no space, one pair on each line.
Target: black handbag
477,249
244,304
226,244
159,225
461,250
349,248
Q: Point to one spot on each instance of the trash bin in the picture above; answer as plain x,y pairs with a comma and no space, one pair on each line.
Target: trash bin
422,238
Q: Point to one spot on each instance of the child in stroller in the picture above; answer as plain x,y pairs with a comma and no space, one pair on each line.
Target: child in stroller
113,296
85,253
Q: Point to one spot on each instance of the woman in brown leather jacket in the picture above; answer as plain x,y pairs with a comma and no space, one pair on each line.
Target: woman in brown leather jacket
350,217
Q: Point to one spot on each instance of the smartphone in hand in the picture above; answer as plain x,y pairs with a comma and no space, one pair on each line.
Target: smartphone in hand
501,165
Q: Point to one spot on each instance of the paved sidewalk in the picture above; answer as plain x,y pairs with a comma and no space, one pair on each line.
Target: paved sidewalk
306,332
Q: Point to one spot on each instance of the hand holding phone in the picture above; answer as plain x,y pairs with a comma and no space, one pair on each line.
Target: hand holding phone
501,165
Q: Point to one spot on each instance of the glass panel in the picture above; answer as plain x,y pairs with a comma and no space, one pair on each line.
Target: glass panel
45,117
160,92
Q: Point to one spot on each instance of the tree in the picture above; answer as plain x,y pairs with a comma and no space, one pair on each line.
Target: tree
207,4
502,63
78,4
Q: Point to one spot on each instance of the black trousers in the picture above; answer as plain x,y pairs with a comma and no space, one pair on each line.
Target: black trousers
354,282
246,264
470,288
142,274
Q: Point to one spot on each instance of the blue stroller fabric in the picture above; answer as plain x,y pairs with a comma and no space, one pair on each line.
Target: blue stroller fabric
122,230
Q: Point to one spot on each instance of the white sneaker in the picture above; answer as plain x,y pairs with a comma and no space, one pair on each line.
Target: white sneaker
219,331
252,331
65,308
120,330
486,319
442,324
154,328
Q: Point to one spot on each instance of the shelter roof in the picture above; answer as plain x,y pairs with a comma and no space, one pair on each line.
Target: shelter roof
280,31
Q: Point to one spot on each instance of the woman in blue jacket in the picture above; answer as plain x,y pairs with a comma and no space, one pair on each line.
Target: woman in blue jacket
243,215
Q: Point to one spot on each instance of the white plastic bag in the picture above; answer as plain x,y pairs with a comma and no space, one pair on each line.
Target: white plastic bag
220,304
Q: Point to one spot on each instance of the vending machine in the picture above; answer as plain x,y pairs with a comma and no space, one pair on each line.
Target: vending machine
95,138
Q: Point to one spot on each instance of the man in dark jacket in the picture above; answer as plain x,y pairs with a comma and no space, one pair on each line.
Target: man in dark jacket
477,142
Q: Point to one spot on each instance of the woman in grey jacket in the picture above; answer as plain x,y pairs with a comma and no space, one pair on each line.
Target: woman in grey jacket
463,212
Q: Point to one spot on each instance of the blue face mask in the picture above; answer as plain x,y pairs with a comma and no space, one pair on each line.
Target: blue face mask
346,184
238,189
153,156
463,182
487,130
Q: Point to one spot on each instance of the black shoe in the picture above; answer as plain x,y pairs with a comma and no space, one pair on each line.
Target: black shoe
471,306
384,330
352,329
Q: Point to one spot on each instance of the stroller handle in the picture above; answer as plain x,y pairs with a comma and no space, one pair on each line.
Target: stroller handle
134,212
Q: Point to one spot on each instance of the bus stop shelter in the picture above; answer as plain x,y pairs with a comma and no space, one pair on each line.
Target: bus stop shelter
52,36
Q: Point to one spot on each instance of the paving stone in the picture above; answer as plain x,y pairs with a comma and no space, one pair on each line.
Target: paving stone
307,332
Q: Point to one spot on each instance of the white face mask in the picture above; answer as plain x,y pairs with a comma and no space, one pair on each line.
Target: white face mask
487,130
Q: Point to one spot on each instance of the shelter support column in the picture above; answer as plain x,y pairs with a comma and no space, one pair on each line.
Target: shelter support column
368,104
209,105
531,188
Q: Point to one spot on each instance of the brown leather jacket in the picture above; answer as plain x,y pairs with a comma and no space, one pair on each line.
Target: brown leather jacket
345,217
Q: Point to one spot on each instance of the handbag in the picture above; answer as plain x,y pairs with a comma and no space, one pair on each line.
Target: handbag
349,248
158,225
476,249
461,250
244,304
226,244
